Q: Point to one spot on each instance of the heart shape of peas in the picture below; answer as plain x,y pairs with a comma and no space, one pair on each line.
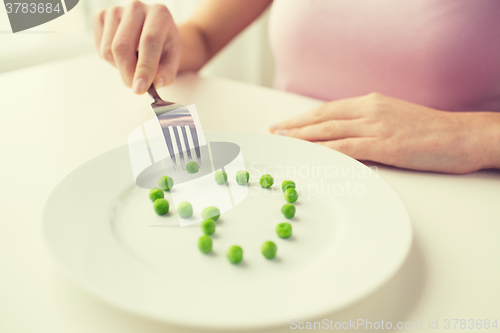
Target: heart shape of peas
210,214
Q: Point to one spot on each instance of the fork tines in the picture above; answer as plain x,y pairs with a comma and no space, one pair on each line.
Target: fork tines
170,123
172,116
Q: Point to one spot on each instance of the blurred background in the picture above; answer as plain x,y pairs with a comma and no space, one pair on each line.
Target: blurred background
248,58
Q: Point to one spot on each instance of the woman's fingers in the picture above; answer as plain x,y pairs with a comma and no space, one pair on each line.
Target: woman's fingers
126,40
357,148
157,24
339,109
120,33
112,19
328,130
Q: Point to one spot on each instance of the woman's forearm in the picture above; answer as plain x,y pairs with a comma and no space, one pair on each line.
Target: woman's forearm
486,136
194,48
213,26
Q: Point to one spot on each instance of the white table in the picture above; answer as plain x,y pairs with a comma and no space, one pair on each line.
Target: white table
58,115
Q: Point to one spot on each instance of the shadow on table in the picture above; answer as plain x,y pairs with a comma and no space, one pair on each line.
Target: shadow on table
393,302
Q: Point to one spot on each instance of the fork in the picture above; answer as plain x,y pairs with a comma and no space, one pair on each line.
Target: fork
173,116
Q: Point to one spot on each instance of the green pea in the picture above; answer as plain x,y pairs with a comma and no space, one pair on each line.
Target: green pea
161,206
208,226
156,193
287,184
269,249
291,195
220,177
288,210
284,230
192,167
266,181
211,212
205,244
165,183
234,254
184,209
242,177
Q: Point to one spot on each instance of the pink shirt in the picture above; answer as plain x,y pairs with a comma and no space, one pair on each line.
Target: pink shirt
443,54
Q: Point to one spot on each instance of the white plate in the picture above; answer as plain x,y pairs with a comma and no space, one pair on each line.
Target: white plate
102,230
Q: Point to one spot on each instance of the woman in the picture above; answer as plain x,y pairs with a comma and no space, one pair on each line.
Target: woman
426,58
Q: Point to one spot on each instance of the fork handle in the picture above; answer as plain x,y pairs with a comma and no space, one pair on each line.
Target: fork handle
152,92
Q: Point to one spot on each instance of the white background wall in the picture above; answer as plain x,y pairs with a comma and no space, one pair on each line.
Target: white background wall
247,58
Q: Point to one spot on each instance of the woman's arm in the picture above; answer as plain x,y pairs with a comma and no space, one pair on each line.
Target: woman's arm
486,139
213,26
163,48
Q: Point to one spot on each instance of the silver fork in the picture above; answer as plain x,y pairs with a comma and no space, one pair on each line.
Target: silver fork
173,116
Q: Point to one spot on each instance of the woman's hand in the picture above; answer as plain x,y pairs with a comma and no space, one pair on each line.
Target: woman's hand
394,132
120,32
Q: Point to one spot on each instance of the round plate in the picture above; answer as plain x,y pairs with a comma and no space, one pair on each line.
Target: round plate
351,233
